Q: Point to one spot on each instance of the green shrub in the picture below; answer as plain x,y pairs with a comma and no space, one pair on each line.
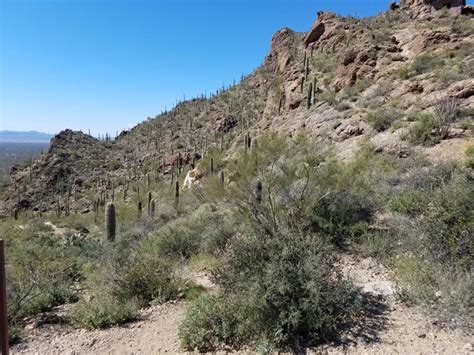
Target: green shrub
470,157
422,64
449,221
146,278
193,291
377,244
209,324
279,289
204,230
423,131
409,202
41,269
277,282
102,311
382,119
342,216
178,239
328,96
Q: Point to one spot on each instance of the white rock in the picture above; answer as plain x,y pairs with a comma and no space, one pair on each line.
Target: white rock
383,288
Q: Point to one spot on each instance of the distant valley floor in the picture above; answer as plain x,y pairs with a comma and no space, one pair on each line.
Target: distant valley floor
13,153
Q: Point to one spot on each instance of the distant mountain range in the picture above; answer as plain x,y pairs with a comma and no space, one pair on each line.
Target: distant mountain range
24,137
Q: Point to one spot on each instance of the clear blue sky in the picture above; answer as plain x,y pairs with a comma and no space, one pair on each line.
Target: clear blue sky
105,65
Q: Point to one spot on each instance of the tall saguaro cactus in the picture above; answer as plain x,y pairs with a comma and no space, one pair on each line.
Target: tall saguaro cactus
152,208
176,194
139,208
310,94
149,202
110,221
258,192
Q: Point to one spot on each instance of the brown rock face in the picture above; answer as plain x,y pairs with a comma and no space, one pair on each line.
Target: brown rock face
356,63
325,20
314,34
436,4
225,124
281,53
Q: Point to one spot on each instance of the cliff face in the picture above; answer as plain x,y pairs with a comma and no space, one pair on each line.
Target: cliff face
345,81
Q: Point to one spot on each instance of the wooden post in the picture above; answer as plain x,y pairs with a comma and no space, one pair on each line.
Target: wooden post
3,302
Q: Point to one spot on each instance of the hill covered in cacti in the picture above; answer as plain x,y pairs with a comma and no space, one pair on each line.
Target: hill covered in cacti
354,137
345,81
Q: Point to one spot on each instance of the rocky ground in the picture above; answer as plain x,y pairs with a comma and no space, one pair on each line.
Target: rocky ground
389,327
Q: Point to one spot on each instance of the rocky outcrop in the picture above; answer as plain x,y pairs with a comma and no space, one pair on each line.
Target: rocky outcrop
282,50
356,63
422,8
314,33
435,4
225,123
324,27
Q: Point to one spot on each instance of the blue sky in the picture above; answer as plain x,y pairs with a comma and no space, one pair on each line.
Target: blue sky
106,65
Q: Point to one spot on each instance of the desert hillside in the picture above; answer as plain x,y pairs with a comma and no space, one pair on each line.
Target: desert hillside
322,203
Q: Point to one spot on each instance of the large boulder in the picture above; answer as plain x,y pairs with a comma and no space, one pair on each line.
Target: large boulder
325,22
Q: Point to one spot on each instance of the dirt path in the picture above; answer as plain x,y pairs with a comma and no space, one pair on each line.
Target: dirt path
391,327
388,328
156,330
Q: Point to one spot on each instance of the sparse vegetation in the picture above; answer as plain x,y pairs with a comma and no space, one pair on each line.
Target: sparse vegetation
423,131
382,119
422,64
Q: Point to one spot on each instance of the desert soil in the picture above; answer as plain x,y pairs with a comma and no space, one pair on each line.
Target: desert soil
388,328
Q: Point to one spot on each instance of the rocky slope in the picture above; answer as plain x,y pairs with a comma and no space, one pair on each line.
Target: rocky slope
345,81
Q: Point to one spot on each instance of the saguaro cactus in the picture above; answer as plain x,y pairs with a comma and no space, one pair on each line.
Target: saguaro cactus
152,208
149,202
176,193
280,104
247,142
222,177
253,146
139,208
110,221
310,94
258,192
306,69
315,89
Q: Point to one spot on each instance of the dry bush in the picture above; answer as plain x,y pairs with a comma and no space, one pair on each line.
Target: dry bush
445,114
